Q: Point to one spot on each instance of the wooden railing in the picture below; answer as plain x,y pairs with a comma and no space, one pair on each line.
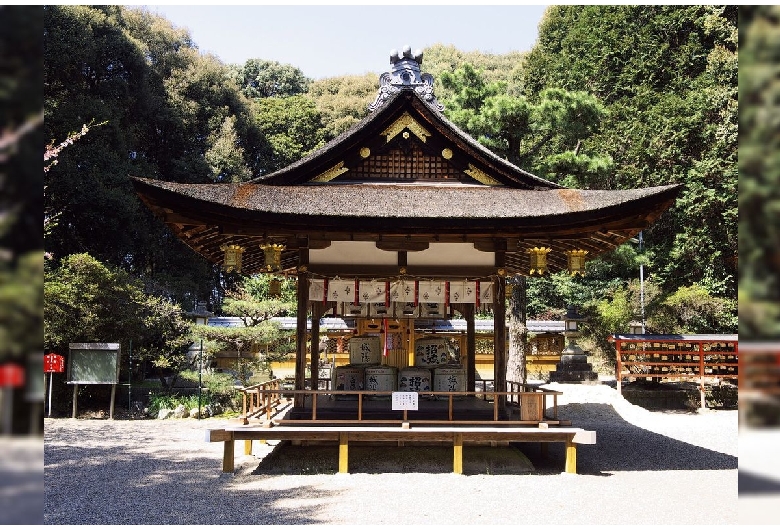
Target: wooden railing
260,399
265,399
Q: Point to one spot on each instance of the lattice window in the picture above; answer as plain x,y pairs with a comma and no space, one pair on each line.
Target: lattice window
395,165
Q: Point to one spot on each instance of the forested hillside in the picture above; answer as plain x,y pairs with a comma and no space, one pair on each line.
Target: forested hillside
759,173
610,97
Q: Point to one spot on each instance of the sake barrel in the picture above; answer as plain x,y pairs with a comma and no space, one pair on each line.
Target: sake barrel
381,379
449,379
348,378
414,379
430,351
365,350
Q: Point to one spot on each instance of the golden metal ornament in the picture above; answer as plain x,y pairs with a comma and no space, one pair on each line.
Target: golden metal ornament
538,257
232,259
273,256
576,261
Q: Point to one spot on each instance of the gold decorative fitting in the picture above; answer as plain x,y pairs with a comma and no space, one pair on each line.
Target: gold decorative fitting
446,153
576,261
232,259
501,272
538,256
302,268
402,270
481,176
406,122
331,174
273,256
365,152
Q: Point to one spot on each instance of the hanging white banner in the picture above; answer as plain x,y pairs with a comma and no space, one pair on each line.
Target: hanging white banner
317,290
403,291
485,293
341,291
431,292
373,292
463,293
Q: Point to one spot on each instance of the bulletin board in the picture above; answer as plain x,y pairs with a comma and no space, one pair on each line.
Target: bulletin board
95,363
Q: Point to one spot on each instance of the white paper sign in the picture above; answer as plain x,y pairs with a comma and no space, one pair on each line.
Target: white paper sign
405,400
317,290
341,291
431,292
372,292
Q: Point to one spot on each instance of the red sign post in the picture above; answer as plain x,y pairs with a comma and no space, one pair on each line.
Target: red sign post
53,363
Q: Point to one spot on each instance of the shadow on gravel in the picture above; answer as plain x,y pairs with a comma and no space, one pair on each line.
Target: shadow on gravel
752,484
622,446
288,459
120,485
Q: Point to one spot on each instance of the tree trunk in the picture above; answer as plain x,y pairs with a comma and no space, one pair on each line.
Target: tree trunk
518,332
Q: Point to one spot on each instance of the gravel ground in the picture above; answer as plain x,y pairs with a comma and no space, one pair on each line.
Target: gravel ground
646,468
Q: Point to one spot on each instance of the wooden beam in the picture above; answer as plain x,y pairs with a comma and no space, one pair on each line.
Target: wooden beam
471,347
499,343
401,245
317,309
300,332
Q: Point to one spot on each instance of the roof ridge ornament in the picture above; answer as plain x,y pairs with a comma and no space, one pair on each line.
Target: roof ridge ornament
406,75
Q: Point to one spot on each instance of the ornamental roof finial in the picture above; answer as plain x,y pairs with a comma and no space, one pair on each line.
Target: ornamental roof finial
405,75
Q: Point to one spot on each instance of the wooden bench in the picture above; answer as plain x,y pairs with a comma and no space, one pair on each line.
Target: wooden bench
454,434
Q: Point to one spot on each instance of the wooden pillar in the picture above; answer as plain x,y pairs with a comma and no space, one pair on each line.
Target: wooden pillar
499,342
113,401
343,452
75,399
317,309
228,456
571,457
303,306
457,464
471,347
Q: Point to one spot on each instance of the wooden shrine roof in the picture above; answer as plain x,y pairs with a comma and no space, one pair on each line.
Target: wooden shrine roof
403,177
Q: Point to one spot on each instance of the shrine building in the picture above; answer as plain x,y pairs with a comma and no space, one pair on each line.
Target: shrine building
403,216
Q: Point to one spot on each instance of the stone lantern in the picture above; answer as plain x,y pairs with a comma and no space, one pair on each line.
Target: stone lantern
574,366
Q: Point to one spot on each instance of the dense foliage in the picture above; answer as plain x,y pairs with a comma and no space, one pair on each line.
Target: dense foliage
759,173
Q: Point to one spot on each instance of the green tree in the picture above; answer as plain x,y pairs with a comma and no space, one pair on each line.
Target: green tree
86,301
292,126
343,101
164,106
261,337
546,134
267,79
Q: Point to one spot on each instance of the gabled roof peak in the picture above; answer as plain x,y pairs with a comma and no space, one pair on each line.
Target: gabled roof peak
406,75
